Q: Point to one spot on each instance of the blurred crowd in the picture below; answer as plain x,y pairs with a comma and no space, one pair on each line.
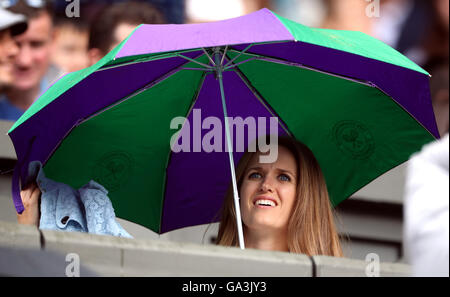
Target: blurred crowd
54,43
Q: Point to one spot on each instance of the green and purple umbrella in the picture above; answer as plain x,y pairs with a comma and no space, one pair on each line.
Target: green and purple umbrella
360,106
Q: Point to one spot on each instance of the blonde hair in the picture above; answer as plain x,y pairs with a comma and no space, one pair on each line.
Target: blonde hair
311,228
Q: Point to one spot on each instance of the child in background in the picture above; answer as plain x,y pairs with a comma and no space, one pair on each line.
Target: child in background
70,44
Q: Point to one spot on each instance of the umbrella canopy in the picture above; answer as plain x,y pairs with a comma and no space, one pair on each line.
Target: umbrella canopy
359,105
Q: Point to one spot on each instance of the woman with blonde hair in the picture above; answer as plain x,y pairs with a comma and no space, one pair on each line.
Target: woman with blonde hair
284,205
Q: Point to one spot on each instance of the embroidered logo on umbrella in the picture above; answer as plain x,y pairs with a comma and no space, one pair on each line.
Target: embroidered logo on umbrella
113,170
354,139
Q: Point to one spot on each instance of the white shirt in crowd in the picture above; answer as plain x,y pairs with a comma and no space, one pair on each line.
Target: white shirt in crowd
426,235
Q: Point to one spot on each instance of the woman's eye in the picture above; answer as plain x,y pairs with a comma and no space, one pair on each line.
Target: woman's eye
284,177
255,175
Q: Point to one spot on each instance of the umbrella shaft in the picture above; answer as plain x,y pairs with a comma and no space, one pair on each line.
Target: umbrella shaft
219,69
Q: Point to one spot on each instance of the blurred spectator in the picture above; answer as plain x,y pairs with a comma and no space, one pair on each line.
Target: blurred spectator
70,44
402,24
439,86
32,73
416,28
435,46
347,15
306,12
173,10
198,11
426,210
435,51
10,25
113,24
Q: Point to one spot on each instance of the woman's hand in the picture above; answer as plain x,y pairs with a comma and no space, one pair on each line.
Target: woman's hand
30,199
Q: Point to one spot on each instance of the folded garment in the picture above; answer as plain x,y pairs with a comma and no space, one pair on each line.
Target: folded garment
64,208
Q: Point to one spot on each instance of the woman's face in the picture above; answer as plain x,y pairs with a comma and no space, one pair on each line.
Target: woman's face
268,192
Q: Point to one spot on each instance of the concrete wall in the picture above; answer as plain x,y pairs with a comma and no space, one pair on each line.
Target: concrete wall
6,146
27,251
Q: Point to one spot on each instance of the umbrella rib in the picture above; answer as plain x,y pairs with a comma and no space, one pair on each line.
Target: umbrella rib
234,65
209,57
151,58
136,61
208,67
403,108
200,85
261,100
298,65
137,92
197,69
197,93
224,54
240,53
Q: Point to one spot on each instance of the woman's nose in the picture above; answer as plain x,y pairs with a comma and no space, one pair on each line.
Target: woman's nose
266,186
